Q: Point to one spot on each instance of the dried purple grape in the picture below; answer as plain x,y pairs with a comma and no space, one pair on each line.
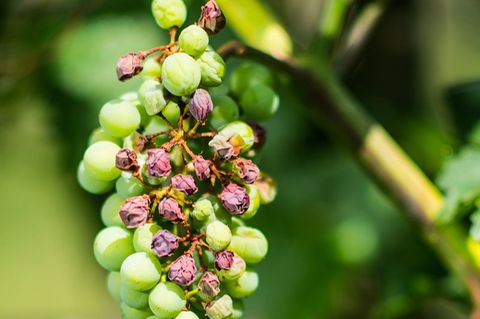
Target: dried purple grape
202,167
129,65
209,284
134,211
126,160
224,260
235,199
183,270
164,243
247,170
184,184
170,210
212,18
158,162
201,105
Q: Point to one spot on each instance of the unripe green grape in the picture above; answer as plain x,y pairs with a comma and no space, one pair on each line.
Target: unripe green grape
113,284
212,67
151,96
99,161
221,308
202,209
140,271
133,298
151,69
119,118
133,98
129,187
243,286
112,246
247,75
110,212
249,243
218,235
90,183
225,110
172,112
169,13
237,222
240,133
167,300
186,315
180,74
259,102
142,237
99,134
193,40
128,312
254,195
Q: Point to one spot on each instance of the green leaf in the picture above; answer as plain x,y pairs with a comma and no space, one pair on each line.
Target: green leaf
460,179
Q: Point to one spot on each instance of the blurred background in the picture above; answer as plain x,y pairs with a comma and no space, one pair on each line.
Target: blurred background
338,248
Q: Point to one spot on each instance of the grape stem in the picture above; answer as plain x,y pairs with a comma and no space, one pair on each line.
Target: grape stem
388,165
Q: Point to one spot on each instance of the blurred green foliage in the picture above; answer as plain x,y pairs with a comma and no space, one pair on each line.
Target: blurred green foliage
339,249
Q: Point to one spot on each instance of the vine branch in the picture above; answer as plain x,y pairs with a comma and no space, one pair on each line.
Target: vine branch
395,173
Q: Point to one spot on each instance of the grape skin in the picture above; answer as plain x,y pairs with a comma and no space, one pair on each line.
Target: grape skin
99,161
140,271
90,183
167,300
111,209
112,246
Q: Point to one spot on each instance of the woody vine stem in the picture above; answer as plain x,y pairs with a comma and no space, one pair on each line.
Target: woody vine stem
394,172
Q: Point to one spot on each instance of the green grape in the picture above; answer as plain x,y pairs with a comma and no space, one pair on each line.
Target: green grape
151,69
259,102
111,246
142,237
180,74
151,96
99,161
186,315
237,222
255,200
221,308
99,134
167,300
225,110
113,284
111,209
193,40
239,133
218,235
140,271
129,187
133,98
133,298
247,75
90,183
202,209
169,13
128,312
172,112
119,118
243,286
249,243
212,68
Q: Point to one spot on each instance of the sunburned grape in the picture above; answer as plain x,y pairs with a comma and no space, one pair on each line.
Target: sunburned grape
181,161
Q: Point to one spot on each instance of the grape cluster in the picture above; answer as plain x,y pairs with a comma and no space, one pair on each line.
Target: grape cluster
180,158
